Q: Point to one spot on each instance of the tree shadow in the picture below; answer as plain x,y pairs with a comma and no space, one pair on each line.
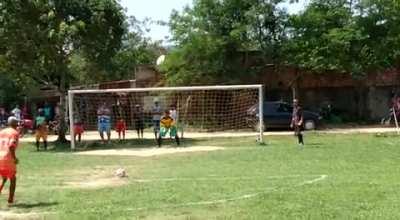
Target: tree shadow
125,144
34,205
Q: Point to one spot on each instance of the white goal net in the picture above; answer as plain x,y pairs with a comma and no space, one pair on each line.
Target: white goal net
198,112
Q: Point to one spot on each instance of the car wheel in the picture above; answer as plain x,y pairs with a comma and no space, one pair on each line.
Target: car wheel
310,125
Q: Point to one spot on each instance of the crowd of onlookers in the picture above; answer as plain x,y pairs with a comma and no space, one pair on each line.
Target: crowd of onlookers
26,119
162,121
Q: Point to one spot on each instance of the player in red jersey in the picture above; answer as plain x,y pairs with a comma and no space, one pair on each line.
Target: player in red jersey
8,160
120,128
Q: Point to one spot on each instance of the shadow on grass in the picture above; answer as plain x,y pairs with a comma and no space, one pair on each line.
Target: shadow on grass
115,144
34,205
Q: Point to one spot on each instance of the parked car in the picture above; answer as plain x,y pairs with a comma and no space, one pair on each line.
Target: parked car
279,115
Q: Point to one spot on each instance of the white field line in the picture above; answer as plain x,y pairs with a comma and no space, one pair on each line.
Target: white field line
226,200
246,196
211,178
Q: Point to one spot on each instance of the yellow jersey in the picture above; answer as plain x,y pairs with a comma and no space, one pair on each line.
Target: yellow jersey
166,122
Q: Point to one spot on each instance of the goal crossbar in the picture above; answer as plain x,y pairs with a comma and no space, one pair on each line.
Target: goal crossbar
185,88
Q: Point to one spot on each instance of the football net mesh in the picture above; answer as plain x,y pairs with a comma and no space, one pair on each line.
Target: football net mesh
198,113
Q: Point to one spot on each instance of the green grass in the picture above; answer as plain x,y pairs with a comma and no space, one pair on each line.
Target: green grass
362,181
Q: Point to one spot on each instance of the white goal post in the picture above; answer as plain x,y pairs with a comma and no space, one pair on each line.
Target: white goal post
200,108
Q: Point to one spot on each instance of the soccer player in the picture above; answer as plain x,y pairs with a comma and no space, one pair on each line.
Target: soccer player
104,122
173,113
167,124
8,160
41,129
78,130
47,111
156,112
17,113
139,120
120,128
297,121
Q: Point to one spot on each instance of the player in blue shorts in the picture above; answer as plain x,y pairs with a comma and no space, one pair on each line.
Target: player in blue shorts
104,122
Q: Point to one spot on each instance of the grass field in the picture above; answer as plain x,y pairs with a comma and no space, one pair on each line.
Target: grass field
333,177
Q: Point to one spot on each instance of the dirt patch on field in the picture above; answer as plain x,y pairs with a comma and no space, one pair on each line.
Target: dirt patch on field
96,183
9,215
149,152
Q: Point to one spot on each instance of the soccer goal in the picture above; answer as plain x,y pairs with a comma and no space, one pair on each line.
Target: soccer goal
197,112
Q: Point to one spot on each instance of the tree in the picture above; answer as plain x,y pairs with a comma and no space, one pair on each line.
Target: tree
213,38
135,50
345,36
39,37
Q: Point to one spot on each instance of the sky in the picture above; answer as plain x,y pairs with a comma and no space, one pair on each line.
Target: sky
161,10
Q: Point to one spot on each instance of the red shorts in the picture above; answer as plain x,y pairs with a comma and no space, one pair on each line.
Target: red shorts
8,173
120,128
78,129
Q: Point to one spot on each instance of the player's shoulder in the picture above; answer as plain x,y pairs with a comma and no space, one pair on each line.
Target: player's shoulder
9,131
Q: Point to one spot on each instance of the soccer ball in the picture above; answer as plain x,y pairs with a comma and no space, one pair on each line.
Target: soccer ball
121,173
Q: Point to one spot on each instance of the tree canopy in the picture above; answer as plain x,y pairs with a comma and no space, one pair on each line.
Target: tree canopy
38,38
342,36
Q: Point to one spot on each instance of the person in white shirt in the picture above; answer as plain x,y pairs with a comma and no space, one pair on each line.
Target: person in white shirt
17,113
156,112
173,113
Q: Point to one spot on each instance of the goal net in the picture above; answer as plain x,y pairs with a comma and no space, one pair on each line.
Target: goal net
198,112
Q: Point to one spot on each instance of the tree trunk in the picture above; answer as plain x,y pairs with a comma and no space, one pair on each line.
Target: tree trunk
63,125
295,85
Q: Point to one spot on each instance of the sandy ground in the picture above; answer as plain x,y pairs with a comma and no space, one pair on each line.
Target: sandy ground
9,215
97,182
149,152
93,135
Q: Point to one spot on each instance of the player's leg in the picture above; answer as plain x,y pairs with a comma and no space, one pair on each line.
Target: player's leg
101,131
123,134
163,133
119,135
44,136
37,137
79,137
108,128
301,138
3,183
299,135
174,133
141,129
13,185
156,124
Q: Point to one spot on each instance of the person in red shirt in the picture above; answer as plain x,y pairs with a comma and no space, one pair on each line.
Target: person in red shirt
78,130
120,128
8,160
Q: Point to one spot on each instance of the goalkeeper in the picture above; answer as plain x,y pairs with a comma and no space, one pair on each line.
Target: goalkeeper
167,125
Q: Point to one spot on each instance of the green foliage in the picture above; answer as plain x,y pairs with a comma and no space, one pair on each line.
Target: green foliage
41,36
343,36
135,50
346,36
213,36
38,38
